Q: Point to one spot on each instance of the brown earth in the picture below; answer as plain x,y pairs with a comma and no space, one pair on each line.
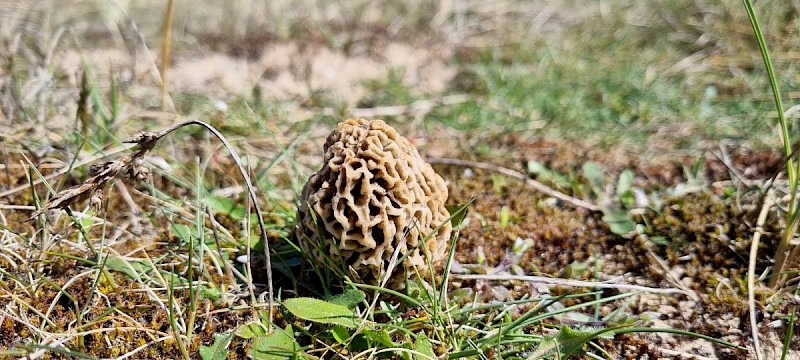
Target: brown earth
708,237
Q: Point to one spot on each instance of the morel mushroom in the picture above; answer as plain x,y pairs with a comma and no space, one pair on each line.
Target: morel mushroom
374,194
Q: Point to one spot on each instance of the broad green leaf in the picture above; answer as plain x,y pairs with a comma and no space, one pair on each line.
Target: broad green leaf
659,240
458,213
341,334
264,315
278,345
380,337
133,269
226,206
219,350
544,174
251,330
593,172
624,188
172,278
575,269
628,199
211,292
536,168
85,221
618,221
571,341
350,298
505,216
498,183
185,232
575,316
546,346
255,242
459,295
321,311
424,347
624,182
359,343
567,342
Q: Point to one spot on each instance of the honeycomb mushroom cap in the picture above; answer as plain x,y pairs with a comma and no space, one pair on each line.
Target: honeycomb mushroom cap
373,195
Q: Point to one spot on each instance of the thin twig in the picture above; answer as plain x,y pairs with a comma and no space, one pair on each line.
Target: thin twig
226,264
751,274
520,176
671,277
571,283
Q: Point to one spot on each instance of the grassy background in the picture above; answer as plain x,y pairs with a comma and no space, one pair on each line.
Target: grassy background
651,75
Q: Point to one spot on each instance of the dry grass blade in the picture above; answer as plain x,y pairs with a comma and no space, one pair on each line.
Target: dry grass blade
132,167
671,276
572,283
166,46
751,273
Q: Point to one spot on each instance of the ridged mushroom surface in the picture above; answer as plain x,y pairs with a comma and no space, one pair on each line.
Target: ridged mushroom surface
374,194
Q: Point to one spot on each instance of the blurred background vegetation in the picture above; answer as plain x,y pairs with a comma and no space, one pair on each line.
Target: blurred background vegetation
647,75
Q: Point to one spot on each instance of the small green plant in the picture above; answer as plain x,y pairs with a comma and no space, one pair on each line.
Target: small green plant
96,116
426,321
388,91
614,200
787,255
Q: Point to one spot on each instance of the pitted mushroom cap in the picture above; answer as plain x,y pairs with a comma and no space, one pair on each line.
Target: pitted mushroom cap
374,194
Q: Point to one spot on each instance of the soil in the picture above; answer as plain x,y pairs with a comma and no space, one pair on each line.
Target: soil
708,238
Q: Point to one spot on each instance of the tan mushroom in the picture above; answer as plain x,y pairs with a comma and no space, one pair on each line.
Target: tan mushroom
374,194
